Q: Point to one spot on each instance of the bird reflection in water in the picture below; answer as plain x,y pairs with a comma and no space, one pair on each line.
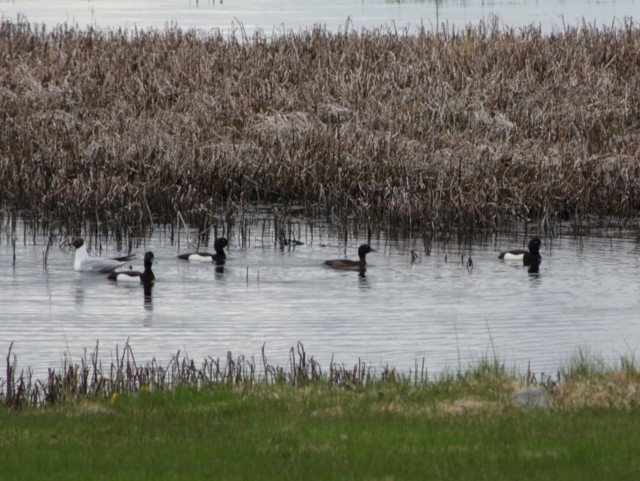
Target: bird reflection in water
148,299
219,267
534,269
362,278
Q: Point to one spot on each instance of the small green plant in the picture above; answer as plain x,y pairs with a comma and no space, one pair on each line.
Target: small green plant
584,364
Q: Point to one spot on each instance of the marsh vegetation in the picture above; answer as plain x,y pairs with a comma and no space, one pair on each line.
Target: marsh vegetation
479,128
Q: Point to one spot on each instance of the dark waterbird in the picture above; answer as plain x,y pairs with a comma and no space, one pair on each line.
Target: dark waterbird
363,250
145,277
529,257
219,244
84,262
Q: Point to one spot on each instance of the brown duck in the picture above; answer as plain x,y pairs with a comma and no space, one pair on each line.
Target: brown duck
363,250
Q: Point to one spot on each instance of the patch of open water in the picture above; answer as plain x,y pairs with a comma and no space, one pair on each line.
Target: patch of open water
269,16
586,296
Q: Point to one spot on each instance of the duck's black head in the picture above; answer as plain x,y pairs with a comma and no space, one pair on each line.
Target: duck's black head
534,245
147,276
148,258
363,250
76,242
219,244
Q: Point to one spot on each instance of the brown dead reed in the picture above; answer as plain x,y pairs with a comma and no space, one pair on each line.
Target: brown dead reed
478,128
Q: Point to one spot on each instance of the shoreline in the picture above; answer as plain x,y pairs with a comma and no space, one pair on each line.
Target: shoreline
585,378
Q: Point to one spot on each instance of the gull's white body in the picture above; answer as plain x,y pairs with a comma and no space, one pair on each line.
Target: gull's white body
85,263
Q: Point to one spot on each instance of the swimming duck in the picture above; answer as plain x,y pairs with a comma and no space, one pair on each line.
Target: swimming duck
363,250
145,277
530,257
84,262
219,244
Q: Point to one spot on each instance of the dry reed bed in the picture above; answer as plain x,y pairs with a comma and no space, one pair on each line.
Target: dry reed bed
461,130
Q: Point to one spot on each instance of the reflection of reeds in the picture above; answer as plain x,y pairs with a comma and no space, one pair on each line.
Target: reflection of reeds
438,132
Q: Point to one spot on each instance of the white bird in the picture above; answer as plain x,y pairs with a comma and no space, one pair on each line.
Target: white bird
84,262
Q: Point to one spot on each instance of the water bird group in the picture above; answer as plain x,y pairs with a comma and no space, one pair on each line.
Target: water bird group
85,262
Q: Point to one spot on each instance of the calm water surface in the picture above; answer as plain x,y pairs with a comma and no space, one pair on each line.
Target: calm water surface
586,296
273,16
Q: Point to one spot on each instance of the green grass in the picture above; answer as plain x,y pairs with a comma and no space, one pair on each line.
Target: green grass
138,424
387,431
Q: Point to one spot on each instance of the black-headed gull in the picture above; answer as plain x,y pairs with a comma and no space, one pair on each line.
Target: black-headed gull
84,262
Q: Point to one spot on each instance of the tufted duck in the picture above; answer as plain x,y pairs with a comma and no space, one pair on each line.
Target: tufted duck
145,277
219,244
530,257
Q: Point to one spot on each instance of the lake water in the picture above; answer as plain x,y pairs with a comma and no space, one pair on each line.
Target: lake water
436,309
274,16
586,295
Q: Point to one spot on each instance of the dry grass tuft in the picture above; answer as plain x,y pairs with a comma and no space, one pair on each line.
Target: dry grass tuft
613,390
466,406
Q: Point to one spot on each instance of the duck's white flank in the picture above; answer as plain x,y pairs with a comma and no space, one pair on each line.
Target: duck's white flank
508,256
124,277
199,258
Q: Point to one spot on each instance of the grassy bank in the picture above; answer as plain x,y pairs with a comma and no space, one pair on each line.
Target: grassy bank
457,130
316,433
465,425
